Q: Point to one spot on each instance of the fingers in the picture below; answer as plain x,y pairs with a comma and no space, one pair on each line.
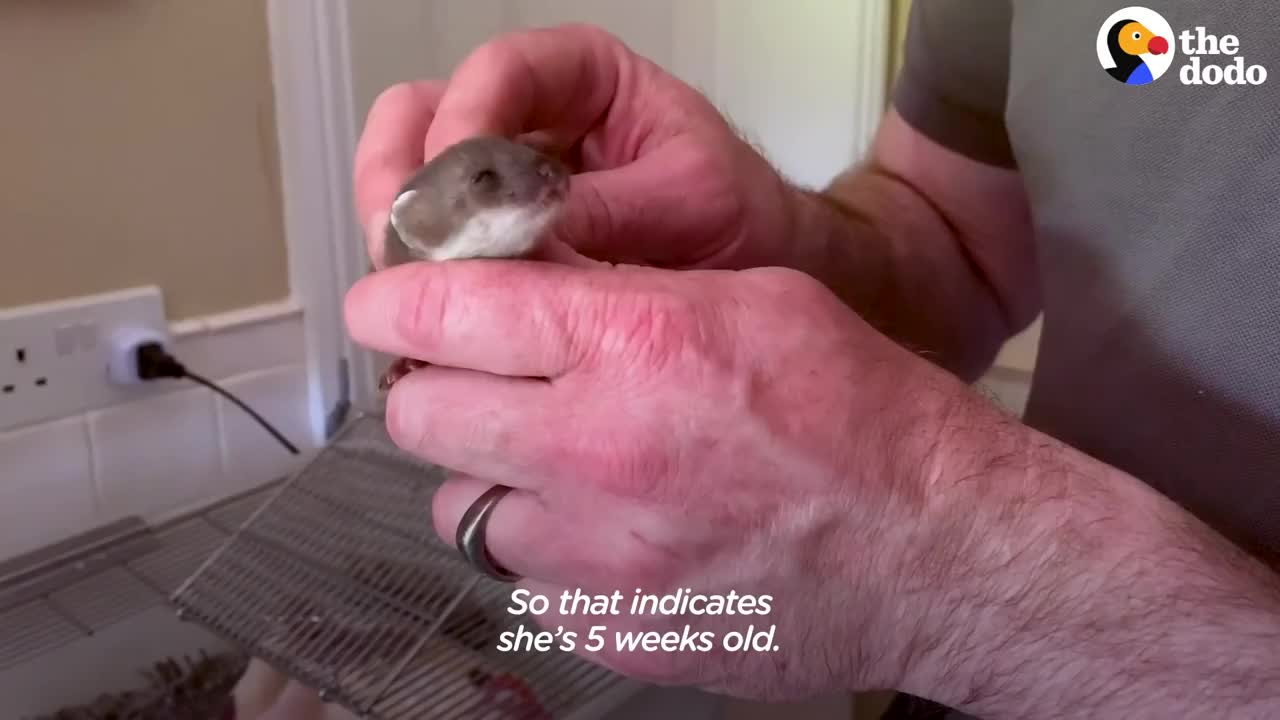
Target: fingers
560,81
521,534
478,423
542,537
390,150
515,318
637,211
551,88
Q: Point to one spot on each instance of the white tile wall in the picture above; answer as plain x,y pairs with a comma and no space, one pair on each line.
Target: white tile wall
168,453
250,456
46,484
155,455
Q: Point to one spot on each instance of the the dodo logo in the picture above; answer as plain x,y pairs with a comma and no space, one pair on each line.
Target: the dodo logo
1136,45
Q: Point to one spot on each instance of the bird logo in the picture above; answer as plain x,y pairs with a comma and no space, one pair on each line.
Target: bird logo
1136,46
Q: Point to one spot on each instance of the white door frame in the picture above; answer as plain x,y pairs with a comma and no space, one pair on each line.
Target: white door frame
317,132
874,37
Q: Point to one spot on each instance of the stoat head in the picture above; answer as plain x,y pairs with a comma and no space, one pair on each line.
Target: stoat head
483,197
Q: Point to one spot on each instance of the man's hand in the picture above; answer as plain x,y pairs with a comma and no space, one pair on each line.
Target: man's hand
662,179
711,430
932,248
722,431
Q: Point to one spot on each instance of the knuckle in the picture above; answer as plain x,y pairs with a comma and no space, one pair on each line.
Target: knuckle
390,96
406,428
771,290
559,324
496,56
625,464
421,308
451,427
652,328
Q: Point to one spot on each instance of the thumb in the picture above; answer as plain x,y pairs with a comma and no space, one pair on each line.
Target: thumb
645,212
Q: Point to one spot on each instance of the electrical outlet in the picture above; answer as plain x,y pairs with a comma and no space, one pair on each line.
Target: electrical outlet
54,356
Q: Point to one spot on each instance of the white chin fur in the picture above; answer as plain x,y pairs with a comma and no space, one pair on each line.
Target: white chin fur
497,233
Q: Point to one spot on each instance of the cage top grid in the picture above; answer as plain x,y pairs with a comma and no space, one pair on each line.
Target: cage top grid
339,581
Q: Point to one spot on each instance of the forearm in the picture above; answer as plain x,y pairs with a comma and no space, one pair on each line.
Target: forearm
1077,591
892,257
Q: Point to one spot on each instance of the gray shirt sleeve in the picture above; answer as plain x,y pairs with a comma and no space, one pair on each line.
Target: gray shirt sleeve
954,77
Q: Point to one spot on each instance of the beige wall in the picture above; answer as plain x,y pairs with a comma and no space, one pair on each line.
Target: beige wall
137,146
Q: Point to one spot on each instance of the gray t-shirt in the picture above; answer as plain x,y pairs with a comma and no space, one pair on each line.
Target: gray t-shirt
1157,228
1157,225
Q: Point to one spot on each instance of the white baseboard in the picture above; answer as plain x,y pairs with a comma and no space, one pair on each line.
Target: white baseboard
242,317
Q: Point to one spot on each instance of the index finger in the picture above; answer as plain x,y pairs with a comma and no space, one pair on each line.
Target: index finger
560,80
390,147
512,318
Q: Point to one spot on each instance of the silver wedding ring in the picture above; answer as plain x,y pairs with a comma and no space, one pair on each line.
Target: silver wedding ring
470,538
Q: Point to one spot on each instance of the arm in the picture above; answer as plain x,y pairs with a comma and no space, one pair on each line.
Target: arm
1078,591
932,248
930,238
1049,582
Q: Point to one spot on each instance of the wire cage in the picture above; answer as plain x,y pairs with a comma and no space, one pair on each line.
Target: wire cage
339,581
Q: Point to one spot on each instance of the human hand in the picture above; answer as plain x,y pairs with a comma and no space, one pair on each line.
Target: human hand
661,178
712,430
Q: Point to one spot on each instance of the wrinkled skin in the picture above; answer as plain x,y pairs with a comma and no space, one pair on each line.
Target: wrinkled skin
718,430
713,430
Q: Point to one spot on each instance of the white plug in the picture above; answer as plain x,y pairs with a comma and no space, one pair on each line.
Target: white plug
122,360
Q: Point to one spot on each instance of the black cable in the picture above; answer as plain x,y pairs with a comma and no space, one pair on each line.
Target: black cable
240,404
155,362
